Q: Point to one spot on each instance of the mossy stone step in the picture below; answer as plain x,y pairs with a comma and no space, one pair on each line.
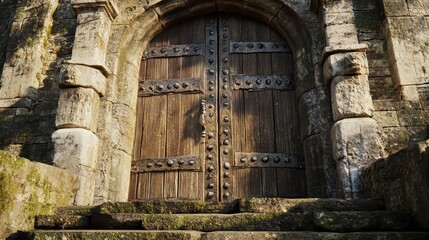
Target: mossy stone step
266,205
255,205
293,221
193,235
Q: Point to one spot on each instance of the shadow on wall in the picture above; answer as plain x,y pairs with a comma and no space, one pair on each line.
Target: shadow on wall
402,180
26,125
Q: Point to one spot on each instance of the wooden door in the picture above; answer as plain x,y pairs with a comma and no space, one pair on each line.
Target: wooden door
216,114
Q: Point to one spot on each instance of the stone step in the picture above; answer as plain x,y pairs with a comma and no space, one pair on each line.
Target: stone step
256,205
292,221
195,235
273,205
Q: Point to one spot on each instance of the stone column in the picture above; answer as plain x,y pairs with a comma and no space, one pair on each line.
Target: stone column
83,82
355,136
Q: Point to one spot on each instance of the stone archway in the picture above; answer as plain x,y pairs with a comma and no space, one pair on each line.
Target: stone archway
286,21
109,76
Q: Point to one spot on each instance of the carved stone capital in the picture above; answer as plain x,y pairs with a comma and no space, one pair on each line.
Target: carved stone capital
107,5
345,64
77,75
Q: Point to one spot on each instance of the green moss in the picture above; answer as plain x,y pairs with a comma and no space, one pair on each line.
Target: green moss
10,167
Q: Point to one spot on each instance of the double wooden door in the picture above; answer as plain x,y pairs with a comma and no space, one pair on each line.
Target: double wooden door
216,114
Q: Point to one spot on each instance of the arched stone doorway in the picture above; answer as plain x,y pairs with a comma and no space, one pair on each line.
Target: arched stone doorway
217,115
118,59
313,99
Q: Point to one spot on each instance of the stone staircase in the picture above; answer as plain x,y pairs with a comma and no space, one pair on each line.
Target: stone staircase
254,218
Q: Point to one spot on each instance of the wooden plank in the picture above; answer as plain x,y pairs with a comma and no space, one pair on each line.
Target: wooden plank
266,115
168,86
259,46
290,182
190,107
171,50
239,176
158,122
251,108
137,147
143,186
132,191
188,163
171,179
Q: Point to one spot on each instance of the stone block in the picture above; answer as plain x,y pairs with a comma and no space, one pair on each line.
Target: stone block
338,6
91,38
119,176
345,64
310,110
356,144
358,140
345,34
407,42
75,147
418,7
313,153
338,18
395,8
28,189
124,119
17,103
395,138
72,75
386,118
351,97
409,93
76,150
169,11
78,107
85,193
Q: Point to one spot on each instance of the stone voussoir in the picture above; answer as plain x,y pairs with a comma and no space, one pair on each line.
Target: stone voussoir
273,205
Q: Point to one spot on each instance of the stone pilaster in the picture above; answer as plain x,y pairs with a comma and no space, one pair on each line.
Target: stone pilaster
83,82
355,136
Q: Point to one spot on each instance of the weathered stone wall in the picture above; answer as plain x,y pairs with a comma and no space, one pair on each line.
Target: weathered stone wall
369,23
402,180
28,189
7,12
41,37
